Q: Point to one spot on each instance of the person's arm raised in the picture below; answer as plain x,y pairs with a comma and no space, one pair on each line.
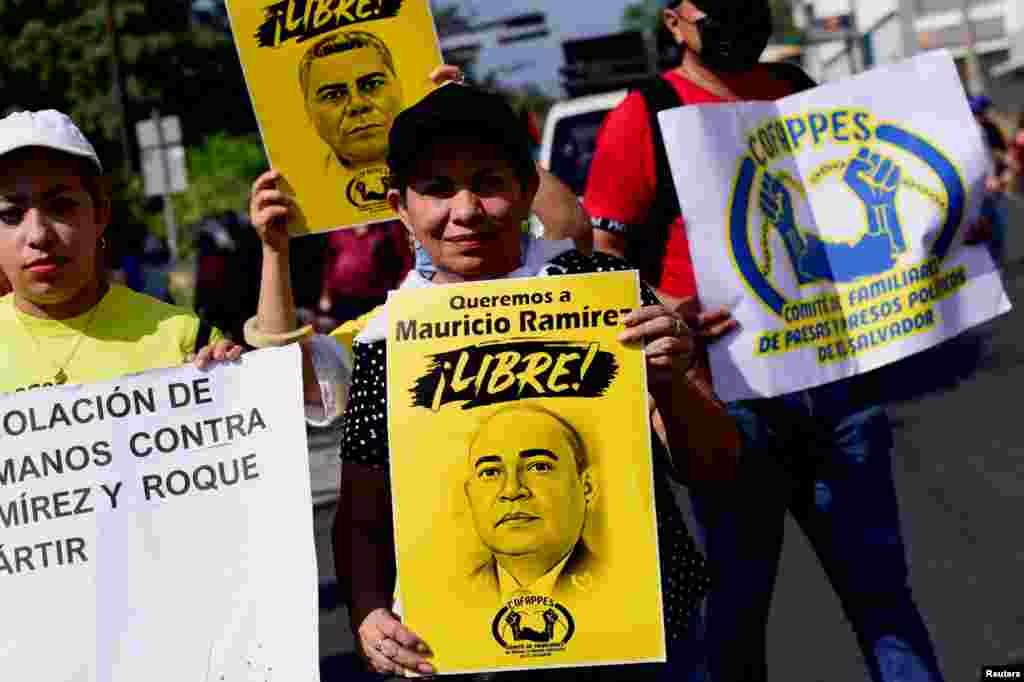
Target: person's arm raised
276,322
270,210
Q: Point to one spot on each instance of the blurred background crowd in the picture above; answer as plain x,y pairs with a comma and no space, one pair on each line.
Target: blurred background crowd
112,64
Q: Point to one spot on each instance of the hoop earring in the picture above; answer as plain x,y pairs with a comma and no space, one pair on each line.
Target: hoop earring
103,242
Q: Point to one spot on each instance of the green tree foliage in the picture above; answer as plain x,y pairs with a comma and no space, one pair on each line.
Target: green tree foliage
221,171
784,26
57,54
644,15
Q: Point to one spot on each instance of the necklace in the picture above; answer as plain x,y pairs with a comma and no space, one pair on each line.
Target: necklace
61,376
717,89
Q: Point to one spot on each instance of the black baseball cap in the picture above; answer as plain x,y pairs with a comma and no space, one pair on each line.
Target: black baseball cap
717,8
458,111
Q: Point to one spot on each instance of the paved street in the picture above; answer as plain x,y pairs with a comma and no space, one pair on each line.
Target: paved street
961,489
959,477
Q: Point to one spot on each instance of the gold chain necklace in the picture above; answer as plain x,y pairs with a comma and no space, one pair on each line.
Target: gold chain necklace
61,377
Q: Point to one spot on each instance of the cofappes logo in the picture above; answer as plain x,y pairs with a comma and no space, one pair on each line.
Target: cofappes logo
856,258
533,626
368,190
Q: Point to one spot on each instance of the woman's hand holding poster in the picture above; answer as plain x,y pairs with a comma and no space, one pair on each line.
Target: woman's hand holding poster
327,79
157,527
521,474
831,224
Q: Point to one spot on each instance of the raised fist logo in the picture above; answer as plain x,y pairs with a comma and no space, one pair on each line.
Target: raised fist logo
776,203
875,180
872,178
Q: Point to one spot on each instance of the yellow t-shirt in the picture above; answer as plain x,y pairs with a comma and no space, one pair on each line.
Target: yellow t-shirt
125,333
350,330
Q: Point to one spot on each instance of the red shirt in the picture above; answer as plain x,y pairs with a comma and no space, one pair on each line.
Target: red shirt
367,263
1017,146
622,180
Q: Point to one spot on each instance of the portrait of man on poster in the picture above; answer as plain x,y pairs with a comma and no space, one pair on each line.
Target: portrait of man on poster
352,95
530,489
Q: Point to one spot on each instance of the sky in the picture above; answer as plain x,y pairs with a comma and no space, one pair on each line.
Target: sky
566,19
584,18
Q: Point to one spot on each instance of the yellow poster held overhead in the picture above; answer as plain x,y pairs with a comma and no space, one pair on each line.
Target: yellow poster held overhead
521,474
327,78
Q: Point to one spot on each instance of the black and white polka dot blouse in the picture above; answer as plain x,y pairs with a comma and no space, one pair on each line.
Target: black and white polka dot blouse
365,441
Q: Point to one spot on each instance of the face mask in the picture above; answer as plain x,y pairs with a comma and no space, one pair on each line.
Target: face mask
735,41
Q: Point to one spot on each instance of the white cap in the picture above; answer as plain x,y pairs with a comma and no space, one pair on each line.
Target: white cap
50,129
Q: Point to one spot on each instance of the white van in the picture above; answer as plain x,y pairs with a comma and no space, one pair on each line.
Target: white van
570,136
570,139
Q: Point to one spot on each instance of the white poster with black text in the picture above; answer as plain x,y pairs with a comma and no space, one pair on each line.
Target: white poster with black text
159,528
831,224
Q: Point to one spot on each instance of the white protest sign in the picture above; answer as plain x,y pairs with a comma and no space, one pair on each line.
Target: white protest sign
159,528
831,223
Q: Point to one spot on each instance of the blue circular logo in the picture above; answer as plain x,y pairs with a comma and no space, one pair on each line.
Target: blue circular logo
875,179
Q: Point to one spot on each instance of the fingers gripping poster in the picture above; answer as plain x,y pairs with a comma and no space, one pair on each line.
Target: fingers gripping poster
159,528
831,224
521,474
327,79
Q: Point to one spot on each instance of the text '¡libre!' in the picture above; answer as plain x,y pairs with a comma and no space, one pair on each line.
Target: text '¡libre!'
300,20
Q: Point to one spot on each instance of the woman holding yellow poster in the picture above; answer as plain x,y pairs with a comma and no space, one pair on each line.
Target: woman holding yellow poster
464,194
327,78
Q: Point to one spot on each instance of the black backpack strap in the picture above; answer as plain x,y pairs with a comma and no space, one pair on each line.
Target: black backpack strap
203,335
792,74
646,249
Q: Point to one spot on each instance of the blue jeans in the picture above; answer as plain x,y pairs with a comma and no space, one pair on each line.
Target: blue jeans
840,490
996,208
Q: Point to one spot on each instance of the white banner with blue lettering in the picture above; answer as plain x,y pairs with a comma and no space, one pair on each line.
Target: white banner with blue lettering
159,528
831,224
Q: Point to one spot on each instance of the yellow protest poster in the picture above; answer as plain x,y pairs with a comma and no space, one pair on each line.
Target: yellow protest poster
327,79
521,474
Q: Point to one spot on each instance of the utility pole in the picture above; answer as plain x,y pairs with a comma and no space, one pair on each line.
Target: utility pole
975,75
811,57
908,27
170,222
116,90
853,39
